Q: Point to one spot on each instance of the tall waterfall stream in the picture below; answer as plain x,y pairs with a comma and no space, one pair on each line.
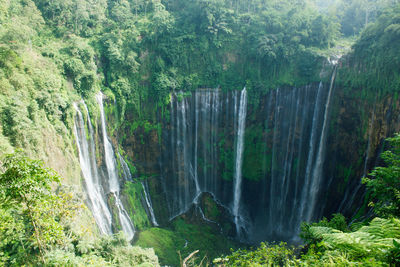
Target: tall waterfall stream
97,195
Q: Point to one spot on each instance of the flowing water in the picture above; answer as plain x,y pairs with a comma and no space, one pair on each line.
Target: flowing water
111,165
204,150
125,169
239,161
190,161
149,203
86,148
97,194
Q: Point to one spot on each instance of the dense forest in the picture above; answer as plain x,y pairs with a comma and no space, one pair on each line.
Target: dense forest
199,133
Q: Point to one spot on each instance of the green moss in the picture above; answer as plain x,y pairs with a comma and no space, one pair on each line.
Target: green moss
253,160
207,240
164,242
116,223
211,210
132,193
184,238
226,158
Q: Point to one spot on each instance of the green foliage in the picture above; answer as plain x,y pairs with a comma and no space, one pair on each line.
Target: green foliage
25,190
32,212
106,251
394,254
383,183
337,222
133,193
182,239
74,15
265,255
373,241
36,223
116,249
375,244
374,62
164,242
54,52
79,66
211,210
9,59
253,165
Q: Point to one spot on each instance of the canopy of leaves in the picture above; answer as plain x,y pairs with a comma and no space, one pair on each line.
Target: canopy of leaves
29,205
35,223
383,183
265,255
375,60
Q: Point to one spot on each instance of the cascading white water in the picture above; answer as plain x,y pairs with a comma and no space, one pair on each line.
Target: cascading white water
302,121
86,149
196,145
125,168
149,204
272,194
207,148
125,221
239,161
111,165
310,160
318,168
193,147
128,177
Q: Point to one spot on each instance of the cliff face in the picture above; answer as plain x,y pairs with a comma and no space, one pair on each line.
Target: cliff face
303,155
358,130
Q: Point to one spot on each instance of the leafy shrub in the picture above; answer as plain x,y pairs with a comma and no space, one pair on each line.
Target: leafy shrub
265,255
35,223
383,184
338,222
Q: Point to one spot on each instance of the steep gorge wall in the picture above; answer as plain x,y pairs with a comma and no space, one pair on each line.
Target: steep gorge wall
358,130
276,155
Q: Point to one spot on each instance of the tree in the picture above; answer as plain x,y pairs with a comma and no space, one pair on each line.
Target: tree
384,184
27,201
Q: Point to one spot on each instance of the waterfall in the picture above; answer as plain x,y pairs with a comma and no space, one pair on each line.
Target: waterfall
149,204
318,168
310,159
111,165
86,149
125,221
125,169
196,129
193,149
239,160
182,167
108,150
301,123
196,145
272,194
204,152
128,177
